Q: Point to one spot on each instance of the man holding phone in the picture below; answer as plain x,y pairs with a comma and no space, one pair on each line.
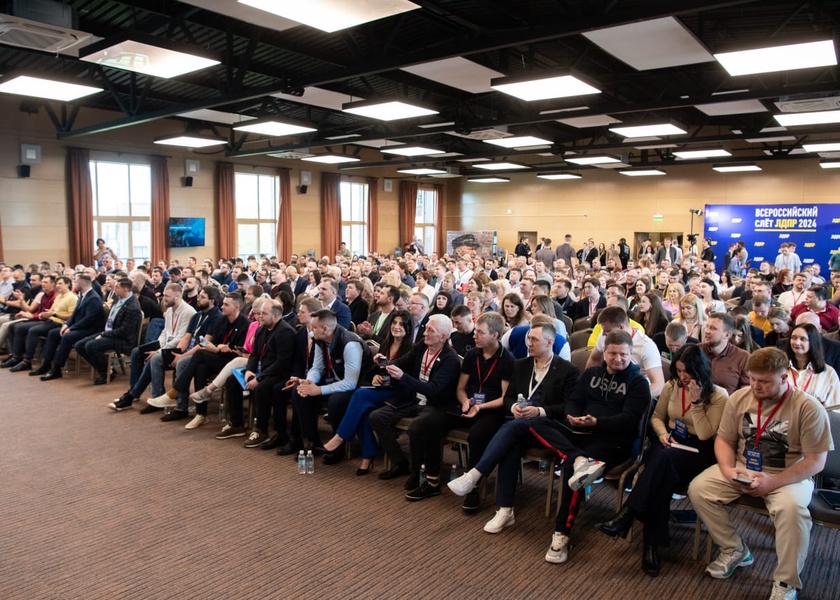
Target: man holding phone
773,439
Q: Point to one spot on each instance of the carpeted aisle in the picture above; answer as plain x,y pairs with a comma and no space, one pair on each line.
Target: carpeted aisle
97,504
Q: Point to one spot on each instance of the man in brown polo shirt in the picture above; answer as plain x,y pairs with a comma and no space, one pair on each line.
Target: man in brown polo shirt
729,363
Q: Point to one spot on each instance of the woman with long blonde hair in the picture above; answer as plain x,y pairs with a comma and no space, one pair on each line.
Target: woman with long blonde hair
692,315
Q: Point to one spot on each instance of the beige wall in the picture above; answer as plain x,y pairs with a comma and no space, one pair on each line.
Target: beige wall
608,206
33,210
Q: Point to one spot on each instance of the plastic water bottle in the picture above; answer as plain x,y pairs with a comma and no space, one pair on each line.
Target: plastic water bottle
453,473
310,463
301,463
422,474
543,467
222,412
522,401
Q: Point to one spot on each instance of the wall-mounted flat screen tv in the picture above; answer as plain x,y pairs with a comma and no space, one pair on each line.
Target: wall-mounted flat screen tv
186,232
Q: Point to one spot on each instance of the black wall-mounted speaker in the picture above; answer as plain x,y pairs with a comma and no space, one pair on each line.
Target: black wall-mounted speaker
188,181
303,189
24,170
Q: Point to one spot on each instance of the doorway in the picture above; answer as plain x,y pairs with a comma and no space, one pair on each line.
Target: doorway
654,237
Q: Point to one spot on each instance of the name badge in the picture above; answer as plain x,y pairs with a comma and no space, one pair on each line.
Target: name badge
169,339
753,459
479,398
680,428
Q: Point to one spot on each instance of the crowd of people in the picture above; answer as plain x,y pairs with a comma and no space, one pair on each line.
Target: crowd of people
483,344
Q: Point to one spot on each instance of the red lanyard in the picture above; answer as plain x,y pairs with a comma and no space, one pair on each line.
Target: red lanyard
328,359
481,381
227,336
175,322
427,365
684,407
807,383
759,427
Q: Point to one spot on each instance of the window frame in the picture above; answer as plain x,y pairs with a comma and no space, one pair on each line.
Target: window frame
130,221
261,223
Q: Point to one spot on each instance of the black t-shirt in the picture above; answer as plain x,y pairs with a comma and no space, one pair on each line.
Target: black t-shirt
486,376
232,334
462,342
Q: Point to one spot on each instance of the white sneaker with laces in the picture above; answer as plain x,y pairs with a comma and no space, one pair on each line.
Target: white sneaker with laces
782,591
202,395
558,552
462,485
728,560
504,518
197,422
163,401
586,471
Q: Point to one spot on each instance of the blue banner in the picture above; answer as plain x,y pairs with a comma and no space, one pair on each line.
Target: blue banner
814,228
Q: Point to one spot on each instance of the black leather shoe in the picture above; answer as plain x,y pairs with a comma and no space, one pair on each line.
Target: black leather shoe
472,502
413,482
100,380
398,470
290,448
650,561
148,409
21,366
175,415
42,370
9,362
54,373
275,441
620,524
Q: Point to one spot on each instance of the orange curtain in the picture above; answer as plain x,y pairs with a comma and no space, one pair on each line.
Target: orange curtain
373,214
79,206
330,214
160,209
284,216
408,211
225,211
440,230
1,242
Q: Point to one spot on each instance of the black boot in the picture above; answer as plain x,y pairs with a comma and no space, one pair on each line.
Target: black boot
650,561
54,373
620,524
42,370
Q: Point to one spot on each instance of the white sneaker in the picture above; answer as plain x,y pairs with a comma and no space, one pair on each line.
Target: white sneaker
782,591
558,552
462,485
197,422
586,471
202,395
163,401
504,518
728,560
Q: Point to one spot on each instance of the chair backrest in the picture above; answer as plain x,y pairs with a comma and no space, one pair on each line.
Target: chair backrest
666,369
579,358
352,327
373,345
582,323
567,320
579,339
832,461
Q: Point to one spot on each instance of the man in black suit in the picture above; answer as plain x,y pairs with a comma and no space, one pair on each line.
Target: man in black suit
378,324
86,320
359,308
538,390
328,295
423,379
121,331
418,307
296,281
591,301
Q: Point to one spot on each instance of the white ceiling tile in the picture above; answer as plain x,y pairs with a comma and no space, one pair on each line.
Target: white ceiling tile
457,72
319,97
738,107
591,121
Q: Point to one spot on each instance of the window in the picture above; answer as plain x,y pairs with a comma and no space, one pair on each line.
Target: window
122,206
257,205
424,219
354,216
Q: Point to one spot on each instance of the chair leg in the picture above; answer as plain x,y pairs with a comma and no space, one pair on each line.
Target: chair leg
549,494
695,547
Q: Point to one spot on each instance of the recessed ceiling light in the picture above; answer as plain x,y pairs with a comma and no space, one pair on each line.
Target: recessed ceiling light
190,141
331,159
600,159
216,116
693,154
472,160
411,150
636,131
642,172
50,89
534,87
521,141
558,176
333,15
147,55
823,147
821,117
736,168
501,166
274,128
830,164
766,140
779,58
422,171
343,137
386,111
489,179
